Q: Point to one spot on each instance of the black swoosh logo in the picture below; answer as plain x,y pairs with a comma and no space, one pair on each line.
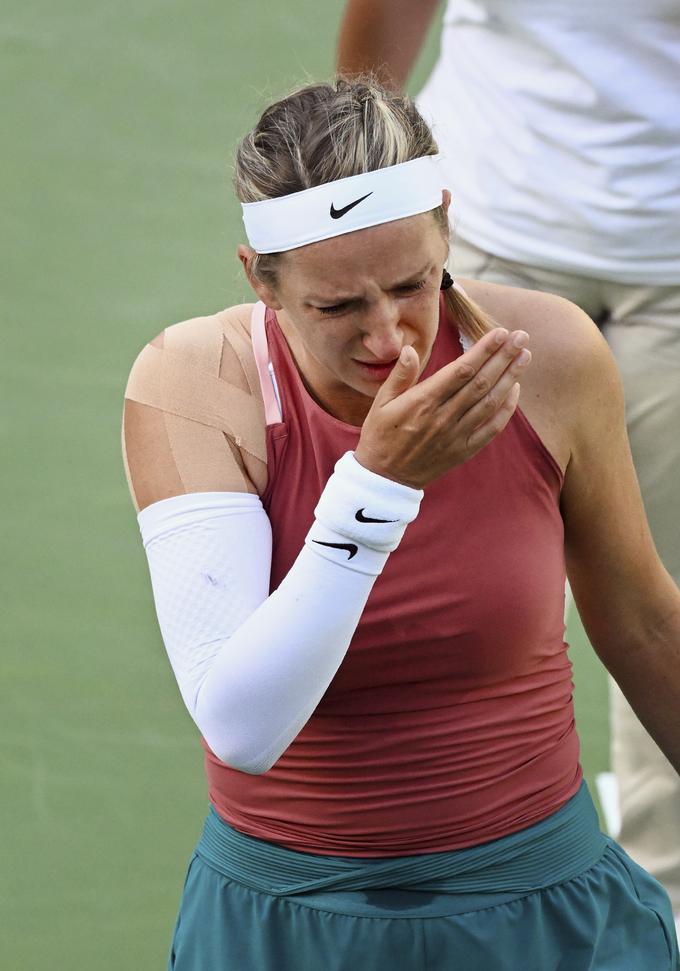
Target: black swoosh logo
350,547
360,518
338,213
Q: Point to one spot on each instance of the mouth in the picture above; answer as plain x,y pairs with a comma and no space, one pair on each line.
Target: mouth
376,370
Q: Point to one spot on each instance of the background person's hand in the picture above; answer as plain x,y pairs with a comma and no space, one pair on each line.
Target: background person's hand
416,432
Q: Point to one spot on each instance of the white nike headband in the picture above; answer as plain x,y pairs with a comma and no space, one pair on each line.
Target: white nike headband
335,208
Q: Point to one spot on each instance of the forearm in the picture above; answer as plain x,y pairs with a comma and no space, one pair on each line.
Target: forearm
267,679
646,665
383,37
252,667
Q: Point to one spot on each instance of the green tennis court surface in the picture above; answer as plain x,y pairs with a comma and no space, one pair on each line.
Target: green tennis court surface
118,219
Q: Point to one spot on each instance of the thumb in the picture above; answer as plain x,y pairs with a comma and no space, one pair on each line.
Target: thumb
403,375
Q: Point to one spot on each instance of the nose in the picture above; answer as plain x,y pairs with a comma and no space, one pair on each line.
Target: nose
381,331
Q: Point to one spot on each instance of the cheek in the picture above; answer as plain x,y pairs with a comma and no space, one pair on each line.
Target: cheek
329,342
423,315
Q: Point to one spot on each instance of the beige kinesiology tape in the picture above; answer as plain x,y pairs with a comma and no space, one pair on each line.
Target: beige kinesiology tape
201,376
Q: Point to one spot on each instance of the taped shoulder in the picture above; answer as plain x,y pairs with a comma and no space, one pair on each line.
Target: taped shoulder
194,418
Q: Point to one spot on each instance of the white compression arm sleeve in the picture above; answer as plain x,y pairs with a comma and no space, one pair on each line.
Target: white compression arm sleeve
252,667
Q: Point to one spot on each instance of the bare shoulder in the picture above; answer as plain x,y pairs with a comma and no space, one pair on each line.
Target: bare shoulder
194,344
572,370
193,419
559,330
565,342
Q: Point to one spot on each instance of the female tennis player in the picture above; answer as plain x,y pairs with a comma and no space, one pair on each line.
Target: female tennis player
358,544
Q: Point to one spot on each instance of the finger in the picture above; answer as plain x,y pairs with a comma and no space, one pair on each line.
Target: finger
486,432
452,377
471,410
403,376
491,371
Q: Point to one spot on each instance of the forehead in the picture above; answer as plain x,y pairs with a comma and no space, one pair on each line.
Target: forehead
398,247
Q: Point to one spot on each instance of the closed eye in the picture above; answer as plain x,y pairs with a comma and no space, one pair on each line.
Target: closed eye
411,287
335,309
406,289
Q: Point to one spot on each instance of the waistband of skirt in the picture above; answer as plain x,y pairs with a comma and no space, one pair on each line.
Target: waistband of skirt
554,850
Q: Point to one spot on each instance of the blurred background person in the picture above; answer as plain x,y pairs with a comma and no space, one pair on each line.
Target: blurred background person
560,123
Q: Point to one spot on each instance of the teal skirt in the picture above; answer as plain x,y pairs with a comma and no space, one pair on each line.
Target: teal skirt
558,896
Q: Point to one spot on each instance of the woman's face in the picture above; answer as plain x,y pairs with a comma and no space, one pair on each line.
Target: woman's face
348,305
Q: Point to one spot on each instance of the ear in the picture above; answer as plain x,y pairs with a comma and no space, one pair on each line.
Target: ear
264,292
446,199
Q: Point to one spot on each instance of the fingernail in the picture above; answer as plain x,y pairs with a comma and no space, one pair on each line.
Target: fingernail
523,358
500,336
520,338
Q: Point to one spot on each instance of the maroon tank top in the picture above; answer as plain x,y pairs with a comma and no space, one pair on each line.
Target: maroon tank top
450,721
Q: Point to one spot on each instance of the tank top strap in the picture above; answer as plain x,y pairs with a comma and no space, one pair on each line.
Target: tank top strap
265,368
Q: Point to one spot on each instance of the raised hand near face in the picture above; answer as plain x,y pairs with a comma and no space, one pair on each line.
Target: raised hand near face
416,432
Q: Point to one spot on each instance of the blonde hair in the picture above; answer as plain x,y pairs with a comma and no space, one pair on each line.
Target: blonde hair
325,132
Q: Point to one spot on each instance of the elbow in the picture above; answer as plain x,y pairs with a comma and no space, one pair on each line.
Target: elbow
236,740
241,757
244,762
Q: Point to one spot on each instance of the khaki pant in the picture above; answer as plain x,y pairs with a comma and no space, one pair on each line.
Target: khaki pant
642,326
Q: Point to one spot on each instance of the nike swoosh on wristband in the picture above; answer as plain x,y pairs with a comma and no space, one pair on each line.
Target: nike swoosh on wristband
360,518
338,213
350,547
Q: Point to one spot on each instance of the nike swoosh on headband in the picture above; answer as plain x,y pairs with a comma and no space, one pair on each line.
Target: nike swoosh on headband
350,547
360,518
338,213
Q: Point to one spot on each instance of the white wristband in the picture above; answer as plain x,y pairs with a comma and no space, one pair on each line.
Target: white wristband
361,517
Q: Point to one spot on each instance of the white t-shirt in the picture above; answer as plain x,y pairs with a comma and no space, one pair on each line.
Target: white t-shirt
560,121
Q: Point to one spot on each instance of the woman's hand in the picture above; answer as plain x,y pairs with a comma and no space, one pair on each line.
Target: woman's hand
416,432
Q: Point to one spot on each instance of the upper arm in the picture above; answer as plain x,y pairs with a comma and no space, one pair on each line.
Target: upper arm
383,37
612,563
193,418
